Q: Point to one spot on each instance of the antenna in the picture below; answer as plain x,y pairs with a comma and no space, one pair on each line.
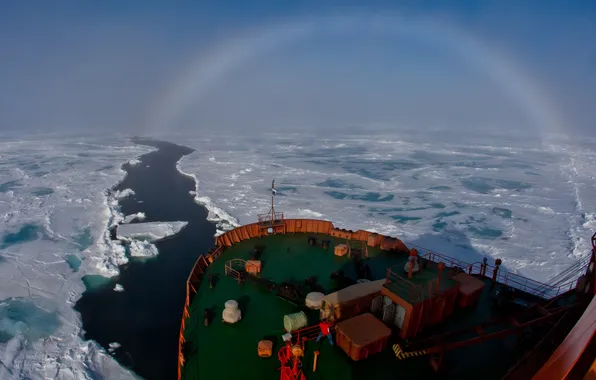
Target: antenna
273,192
272,219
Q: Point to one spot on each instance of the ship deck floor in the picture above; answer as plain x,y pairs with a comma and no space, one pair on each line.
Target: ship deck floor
222,351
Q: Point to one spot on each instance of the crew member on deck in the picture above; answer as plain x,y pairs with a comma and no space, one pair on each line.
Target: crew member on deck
325,331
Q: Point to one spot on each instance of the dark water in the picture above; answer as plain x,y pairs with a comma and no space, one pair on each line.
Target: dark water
145,318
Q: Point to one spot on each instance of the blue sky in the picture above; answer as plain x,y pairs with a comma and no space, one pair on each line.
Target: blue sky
145,66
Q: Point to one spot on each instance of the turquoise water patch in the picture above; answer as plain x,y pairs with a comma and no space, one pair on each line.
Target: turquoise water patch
486,185
285,190
28,232
405,219
503,212
424,196
485,232
336,184
373,197
397,209
439,226
30,166
446,214
84,239
8,186
93,281
19,316
477,185
437,205
439,188
519,164
368,197
42,191
512,185
40,173
73,262
476,164
486,152
400,165
336,194
366,173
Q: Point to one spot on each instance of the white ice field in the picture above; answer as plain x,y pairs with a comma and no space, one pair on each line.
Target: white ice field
527,201
55,212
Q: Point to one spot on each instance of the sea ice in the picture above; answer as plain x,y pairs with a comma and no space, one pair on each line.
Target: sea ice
138,216
150,231
55,211
428,188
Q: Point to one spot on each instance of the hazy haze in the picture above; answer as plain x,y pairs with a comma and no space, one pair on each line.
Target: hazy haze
145,69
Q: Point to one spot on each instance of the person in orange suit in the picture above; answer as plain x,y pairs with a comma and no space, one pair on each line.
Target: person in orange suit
325,331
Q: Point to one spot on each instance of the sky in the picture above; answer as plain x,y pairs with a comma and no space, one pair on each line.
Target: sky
149,67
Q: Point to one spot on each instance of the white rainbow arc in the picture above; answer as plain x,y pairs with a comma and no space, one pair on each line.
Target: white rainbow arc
210,67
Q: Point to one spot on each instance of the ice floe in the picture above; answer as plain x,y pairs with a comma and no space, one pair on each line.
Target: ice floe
150,231
222,219
134,217
121,194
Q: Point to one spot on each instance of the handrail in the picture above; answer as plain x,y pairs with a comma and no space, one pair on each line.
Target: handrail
308,332
269,218
216,253
514,280
413,290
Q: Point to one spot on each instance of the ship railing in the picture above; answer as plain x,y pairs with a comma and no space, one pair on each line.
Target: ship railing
503,276
193,280
449,261
264,218
307,333
403,287
234,267
216,253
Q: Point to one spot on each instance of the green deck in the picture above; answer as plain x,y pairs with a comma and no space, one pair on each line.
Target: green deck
221,351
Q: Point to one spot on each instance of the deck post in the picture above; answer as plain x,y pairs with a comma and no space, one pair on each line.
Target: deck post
495,272
440,267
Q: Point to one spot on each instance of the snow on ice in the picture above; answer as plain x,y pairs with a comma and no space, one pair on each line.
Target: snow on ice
531,204
55,211
140,216
151,231
527,201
